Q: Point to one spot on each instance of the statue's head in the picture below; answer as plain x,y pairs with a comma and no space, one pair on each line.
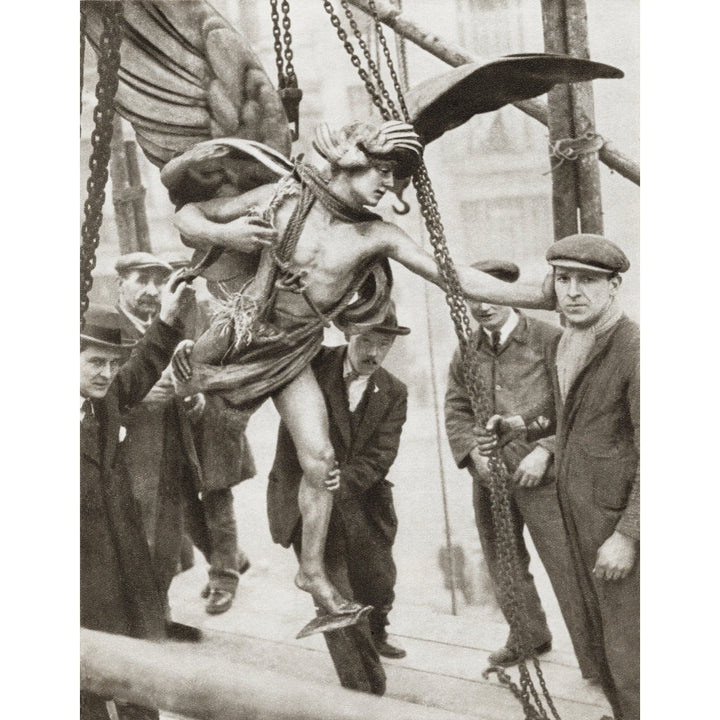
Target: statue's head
359,144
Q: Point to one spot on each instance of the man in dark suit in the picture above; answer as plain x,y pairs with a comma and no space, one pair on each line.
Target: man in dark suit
366,407
118,589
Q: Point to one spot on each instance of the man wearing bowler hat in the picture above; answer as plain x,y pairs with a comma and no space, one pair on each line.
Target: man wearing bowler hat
367,407
596,420
118,590
511,360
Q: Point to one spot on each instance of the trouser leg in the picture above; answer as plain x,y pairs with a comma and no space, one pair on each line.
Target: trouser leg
537,628
226,558
371,569
540,510
619,602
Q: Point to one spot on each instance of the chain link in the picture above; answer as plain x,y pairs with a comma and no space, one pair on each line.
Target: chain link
277,44
290,76
282,44
108,64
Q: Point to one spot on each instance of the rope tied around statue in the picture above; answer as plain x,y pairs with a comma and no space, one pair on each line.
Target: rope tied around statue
249,311
250,321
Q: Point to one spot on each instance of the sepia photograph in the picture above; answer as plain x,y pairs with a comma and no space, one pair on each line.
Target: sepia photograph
359,359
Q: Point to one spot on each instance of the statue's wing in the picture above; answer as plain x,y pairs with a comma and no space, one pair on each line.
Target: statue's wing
187,76
447,101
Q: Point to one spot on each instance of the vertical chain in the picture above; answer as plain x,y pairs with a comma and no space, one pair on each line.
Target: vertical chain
282,44
401,52
355,60
290,76
277,44
108,64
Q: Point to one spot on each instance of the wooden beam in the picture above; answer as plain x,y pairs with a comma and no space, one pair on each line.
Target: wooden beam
128,194
184,679
455,55
587,171
565,196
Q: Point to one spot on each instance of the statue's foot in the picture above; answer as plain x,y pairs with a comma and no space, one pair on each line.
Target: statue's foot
325,595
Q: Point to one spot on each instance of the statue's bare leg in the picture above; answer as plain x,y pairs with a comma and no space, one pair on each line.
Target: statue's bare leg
302,408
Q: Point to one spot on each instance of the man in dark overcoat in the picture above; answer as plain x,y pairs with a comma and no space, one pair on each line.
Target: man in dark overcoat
596,420
367,407
511,362
158,453
118,589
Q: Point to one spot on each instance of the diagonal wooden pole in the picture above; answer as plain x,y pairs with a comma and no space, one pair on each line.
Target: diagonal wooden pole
454,55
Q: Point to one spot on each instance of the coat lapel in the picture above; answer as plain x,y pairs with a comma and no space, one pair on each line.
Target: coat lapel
377,403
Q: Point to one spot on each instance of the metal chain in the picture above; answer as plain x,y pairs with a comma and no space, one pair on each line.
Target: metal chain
282,44
355,60
108,64
508,554
277,44
401,51
287,39
372,65
388,58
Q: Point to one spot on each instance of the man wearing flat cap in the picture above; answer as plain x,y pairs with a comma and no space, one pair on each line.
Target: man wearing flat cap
158,452
367,407
511,357
118,591
596,420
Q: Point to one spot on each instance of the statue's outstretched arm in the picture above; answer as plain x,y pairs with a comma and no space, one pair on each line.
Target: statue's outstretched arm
474,283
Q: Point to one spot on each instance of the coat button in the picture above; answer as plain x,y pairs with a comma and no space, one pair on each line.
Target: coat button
498,387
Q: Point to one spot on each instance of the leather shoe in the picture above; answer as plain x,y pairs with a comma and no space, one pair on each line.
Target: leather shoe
507,656
387,650
205,592
178,631
218,601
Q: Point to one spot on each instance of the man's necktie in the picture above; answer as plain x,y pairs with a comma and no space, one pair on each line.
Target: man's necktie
495,339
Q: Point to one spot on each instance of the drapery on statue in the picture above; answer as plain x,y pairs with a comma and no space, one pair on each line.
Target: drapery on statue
290,247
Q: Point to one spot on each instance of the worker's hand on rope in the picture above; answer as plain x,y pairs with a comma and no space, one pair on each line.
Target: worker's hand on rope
615,557
498,431
332,481
181,365
532,468
176,301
